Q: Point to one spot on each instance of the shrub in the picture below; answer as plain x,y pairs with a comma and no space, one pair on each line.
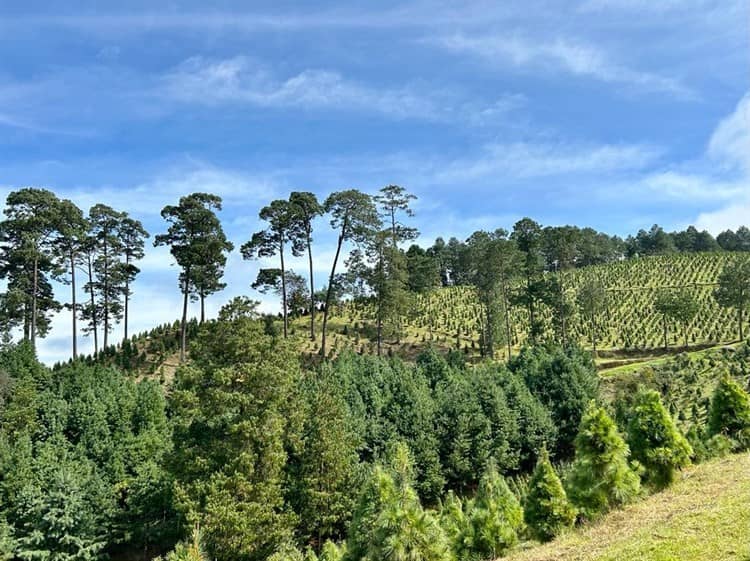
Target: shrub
655,441
547,510
729,413
494,518
188,551
389,522
564,380
600,477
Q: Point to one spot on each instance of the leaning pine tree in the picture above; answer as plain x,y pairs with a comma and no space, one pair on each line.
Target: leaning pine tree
730,413
655,441
600,477
547,511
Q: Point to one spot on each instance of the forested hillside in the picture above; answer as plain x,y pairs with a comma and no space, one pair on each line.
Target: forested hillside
427,404
247,455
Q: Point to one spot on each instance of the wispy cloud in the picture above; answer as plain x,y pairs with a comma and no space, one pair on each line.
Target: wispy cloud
561,55
243,81
730,142
530,160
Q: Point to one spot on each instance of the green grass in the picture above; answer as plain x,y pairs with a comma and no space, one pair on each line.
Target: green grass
705,516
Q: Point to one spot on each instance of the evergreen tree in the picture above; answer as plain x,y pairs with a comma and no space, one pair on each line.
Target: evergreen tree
305,208
655,441
729,413
326,470
354,216
494,261
565,381
27,238
68,247
494,517
196,240
600,477
547,510
592,297
236,416
191,550
734,290
528,237
389,523
283,228
109,276
132,236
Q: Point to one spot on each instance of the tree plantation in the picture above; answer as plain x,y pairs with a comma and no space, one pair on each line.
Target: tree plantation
457,402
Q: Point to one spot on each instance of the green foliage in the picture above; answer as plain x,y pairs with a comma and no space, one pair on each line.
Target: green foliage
734,289
547,511
324,474
655,441
600,477
391,401
487,414
390,523
332,552
730,412
59,518
236,418
188,550
493,519
564,380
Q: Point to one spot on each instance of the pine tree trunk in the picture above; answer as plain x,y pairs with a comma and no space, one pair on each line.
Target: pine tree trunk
94,324
183,327
312,289
73,304
35,288
127,296
506,308
106,295
329,292
283,289
562,309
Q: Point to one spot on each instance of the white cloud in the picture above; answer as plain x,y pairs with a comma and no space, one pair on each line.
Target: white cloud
727,173
562,55
525,160
244,81
730,142
149,197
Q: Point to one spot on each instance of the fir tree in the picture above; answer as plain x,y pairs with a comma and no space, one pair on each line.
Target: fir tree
389,522
494,517
655,441
600,477
730,412
547,510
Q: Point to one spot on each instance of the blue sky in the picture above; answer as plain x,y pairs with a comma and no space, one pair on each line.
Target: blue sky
609,113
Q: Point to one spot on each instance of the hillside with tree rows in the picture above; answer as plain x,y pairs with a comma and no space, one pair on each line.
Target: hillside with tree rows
425,404
628,318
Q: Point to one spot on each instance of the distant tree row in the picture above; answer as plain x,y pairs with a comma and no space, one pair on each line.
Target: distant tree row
45,239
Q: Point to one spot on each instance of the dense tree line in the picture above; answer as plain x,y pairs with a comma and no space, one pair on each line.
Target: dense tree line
248,455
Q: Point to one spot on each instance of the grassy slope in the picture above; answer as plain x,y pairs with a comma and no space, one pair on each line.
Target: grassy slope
704,517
